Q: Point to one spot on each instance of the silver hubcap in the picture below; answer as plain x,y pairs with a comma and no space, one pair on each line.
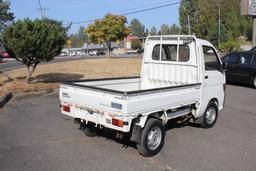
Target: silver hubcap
254,82
210,115
154,138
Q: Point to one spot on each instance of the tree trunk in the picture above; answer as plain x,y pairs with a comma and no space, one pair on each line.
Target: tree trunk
109,48
30,72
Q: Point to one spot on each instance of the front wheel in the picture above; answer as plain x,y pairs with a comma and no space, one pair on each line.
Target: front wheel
210,115
152,138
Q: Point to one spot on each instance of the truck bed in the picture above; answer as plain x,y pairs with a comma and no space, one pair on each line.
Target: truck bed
123,97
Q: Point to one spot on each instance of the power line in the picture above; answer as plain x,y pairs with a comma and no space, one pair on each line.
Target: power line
42,10
133,12
149,5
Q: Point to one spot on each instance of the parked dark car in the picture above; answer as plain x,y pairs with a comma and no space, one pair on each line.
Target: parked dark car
241,67
253,49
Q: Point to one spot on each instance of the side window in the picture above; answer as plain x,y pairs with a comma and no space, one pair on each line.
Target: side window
156,52
245,59
231,59
169,52
211,59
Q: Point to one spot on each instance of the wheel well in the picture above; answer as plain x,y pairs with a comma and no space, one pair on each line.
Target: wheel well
215,100
253,76
156,115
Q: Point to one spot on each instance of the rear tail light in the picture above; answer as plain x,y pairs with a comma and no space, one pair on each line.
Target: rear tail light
66,108
117,122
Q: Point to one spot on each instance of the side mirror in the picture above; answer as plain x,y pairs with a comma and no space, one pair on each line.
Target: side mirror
224,66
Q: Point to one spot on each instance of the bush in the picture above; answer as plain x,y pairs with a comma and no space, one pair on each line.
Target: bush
32,42
136,44
229,46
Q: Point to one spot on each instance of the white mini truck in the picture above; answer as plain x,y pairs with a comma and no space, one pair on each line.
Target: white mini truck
181,77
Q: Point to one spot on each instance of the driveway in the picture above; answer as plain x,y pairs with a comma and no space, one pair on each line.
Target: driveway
34,135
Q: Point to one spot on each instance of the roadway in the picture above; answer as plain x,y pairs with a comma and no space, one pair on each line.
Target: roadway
36,136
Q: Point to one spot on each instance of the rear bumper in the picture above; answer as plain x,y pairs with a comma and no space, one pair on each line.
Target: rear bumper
96,116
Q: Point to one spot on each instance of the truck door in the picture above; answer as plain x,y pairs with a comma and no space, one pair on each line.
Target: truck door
213,77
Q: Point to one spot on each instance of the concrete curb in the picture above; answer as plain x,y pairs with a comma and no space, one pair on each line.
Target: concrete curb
5,99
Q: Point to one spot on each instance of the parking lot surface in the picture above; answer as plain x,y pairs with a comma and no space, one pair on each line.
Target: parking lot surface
34,135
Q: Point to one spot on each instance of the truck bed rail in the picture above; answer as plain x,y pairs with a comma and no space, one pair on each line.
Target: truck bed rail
125,93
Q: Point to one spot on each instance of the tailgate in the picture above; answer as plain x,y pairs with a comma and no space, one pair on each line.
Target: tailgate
108,102
92,105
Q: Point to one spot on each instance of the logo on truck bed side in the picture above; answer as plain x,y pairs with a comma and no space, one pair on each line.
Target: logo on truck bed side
116,105
65,95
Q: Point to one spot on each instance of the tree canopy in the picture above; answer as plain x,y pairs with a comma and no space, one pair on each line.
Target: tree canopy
136,44
203,16
32,42
78,39
6,17
137,28
111,28
153,31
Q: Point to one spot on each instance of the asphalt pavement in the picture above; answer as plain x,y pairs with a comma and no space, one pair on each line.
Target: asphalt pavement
36,136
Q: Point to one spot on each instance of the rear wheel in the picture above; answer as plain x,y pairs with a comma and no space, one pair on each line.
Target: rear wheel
152,138
210,115
90,130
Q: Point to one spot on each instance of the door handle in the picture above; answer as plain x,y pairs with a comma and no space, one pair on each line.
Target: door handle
206,77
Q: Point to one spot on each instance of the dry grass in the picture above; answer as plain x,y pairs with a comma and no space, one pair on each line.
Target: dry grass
47,77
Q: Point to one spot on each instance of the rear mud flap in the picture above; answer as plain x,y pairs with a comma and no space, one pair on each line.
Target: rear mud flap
136,134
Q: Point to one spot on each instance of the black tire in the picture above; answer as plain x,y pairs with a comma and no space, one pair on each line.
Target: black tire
144,148
209,121
90,130
254,82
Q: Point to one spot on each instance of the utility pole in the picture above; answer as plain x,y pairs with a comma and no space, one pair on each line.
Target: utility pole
42,10
188,20
254,32
189,28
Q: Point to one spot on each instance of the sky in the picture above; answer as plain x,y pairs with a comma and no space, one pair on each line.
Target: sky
80,10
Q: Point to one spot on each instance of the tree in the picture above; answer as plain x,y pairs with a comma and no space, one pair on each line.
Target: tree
6,17
31,42
136,44
79,38
174,29
146,33
189,9
111,28
137,28
204,14
153,31
165,30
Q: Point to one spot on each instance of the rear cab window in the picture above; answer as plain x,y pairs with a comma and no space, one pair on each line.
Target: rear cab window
171,52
